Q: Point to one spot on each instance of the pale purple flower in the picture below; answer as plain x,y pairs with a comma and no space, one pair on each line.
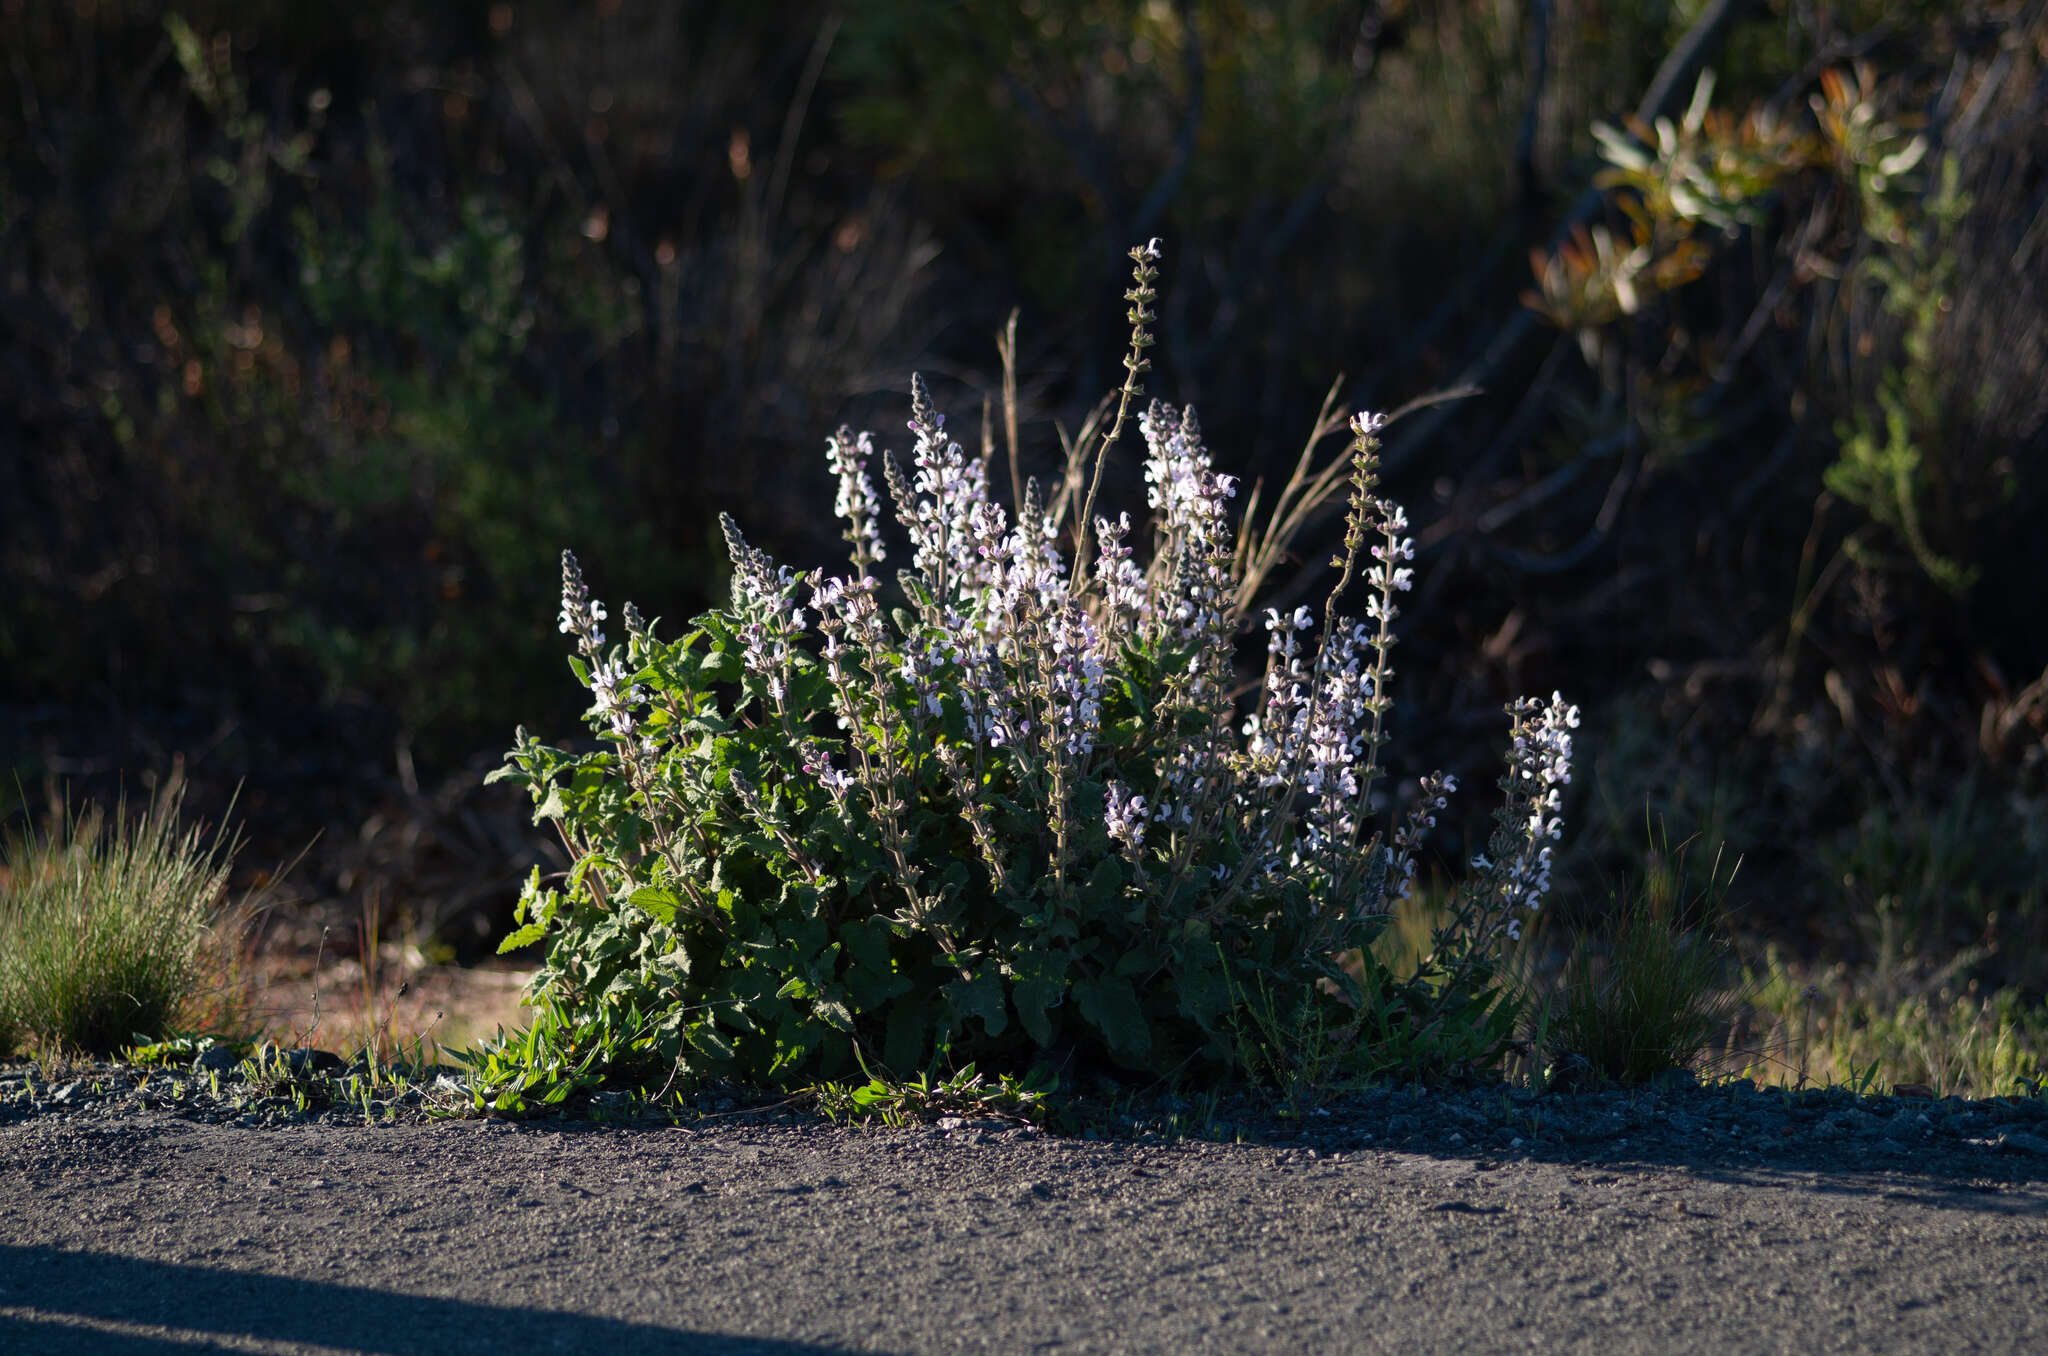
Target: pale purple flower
1121,581
1333,746
1191,527
1387,577
580,613
1076,679
770,622
948,486
1124,811
857,501
1436,791
1540,758
616,698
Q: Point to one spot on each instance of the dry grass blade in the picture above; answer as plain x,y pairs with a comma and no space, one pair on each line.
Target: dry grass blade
1307,491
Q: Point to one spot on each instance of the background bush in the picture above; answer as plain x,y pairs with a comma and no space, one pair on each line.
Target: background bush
325,328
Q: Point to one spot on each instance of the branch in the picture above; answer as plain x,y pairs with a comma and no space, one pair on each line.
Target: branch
1682,64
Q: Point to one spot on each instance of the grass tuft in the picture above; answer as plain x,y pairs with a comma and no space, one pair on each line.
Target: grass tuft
1649,998
115,934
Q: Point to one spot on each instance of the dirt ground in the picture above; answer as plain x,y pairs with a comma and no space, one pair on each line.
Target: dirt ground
312,998
155,1235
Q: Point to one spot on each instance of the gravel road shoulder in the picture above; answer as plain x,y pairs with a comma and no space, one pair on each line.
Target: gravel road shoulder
148,1232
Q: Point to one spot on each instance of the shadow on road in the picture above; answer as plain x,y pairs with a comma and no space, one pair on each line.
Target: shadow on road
1782,1151
1957,1175
108,1305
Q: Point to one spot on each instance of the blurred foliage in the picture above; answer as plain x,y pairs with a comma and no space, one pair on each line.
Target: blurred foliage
322,353
1827,1027
323,329
1317,168
1840,287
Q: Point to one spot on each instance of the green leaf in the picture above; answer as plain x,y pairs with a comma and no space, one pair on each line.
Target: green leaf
1140,960
811,688
1202,986
678,670
1121,734
525,936
657,901
720,666
1111,1006
1038,984
707,1040
804,899
981,996
903,1042
866,941
834,1014
1104,888
554,805
870,976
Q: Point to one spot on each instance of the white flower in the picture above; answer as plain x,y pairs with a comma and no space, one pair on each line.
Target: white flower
1366,425
1191,525
1540,755
1124,812
857,501
580,614
616,698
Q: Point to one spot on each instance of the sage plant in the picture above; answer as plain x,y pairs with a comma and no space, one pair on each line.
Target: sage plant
853,817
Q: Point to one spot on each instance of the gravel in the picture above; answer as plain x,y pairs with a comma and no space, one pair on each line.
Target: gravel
1675,1116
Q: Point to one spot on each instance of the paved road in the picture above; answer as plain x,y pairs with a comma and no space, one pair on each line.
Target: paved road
155,1235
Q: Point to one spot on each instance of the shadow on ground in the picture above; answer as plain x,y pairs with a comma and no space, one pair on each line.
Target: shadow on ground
1766,1141
53,1301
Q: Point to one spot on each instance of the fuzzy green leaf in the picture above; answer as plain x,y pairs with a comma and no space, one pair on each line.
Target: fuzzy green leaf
903,1042
706,1038
657,901
981,996
834,1014
554,805
1038,984
1111,1006
525,936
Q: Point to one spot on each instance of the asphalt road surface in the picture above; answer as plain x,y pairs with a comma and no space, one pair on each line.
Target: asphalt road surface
157,1235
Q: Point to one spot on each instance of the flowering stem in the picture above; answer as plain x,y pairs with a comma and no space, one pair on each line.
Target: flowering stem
1140,296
